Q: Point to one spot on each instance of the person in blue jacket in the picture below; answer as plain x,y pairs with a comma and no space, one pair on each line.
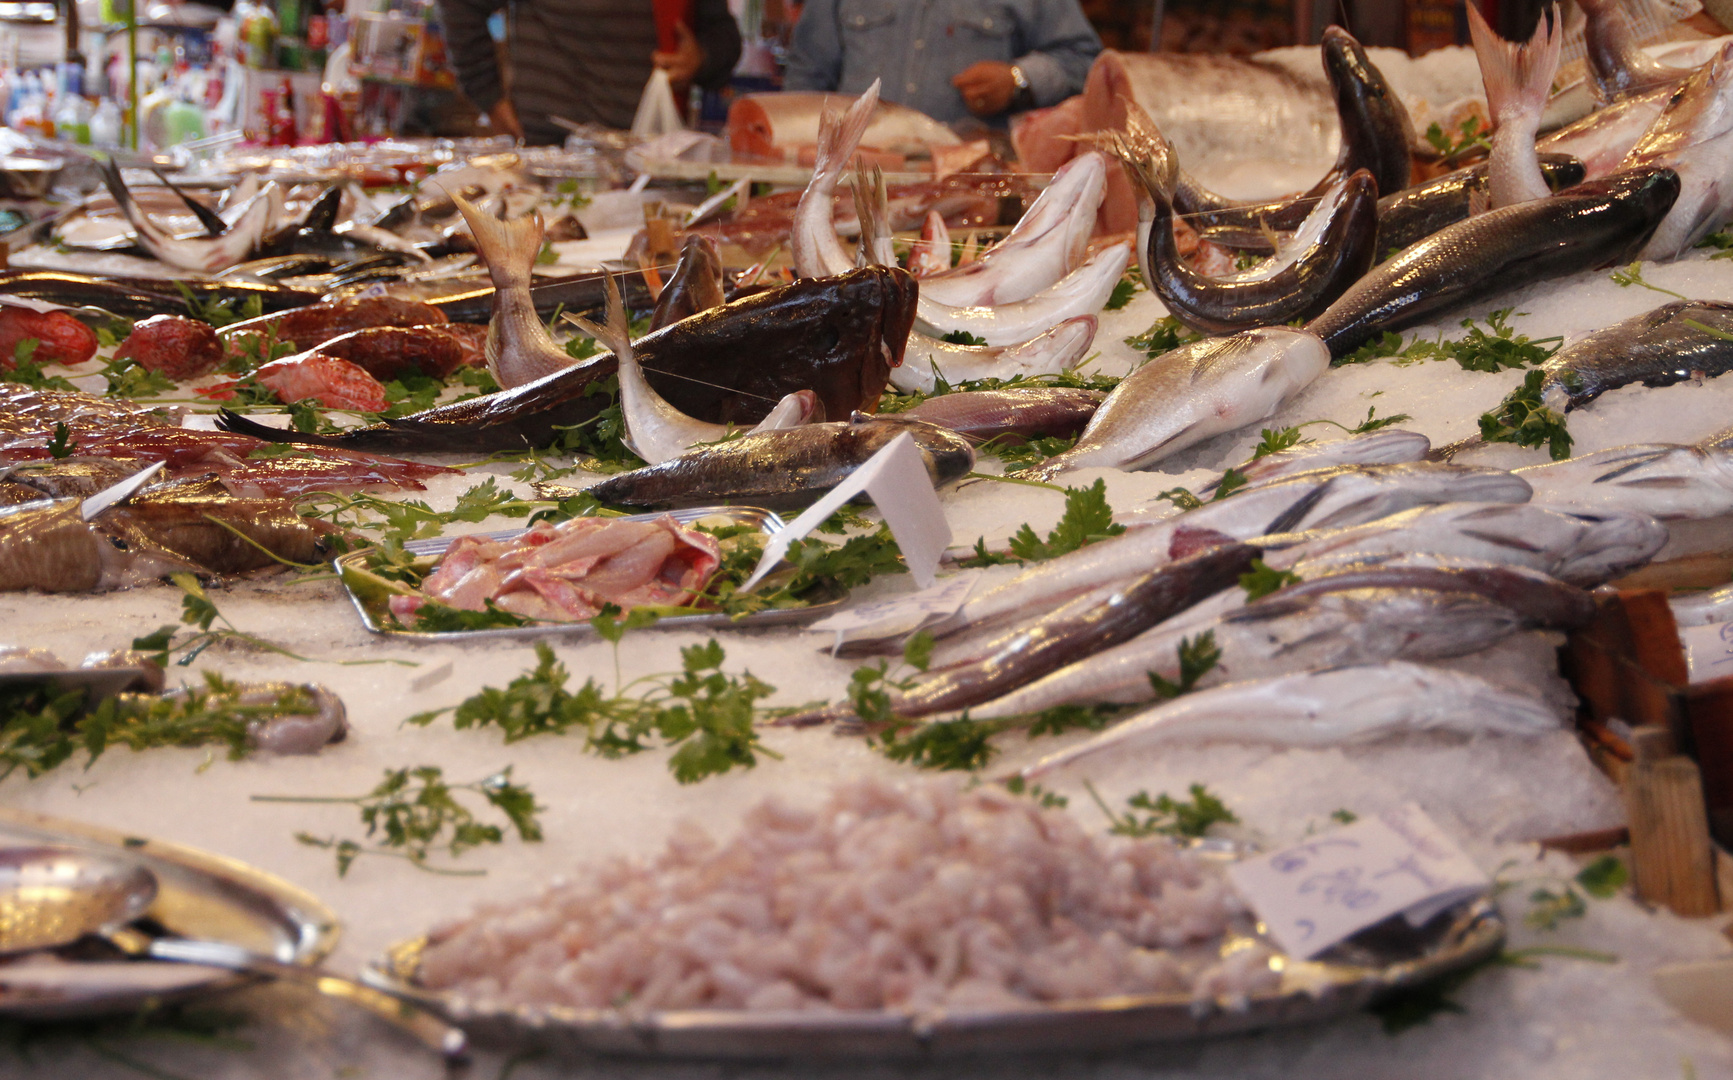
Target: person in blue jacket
947,58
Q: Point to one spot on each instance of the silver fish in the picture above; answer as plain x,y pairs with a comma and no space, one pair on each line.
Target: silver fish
812,243
1276,637
1693,136
519,348
1082,292
203,254
1047,243
1322,708
1198,390
1582,548
928,359
1518,79
1666,480
1388,446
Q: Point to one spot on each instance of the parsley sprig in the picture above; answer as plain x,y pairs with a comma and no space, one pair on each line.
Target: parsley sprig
1164,815
1521,419
1087,519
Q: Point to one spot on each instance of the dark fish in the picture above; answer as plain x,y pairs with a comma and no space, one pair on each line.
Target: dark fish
1376,136
1539,599
1657,348
316,223
278,266
582,292
1076,630
696,284
778,469
138,298
1011,415
1618,67
1591,225
1410,216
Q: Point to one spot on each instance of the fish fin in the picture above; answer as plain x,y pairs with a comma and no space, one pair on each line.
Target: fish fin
508,247
792,411
872,207
214,225
1145,154
839,137
1518,77
615,333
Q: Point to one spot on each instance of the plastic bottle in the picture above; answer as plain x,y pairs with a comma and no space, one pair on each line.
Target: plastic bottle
105,125
72,119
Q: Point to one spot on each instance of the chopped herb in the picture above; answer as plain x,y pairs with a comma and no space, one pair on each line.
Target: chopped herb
983,557
1197,658
962,745
1123,290
1062,718
1603,878
1471,133
1626,276
1049,800
963,337
547,256
127,379
414,811
218,312
702,712
1389,344
1374,422
1165,815
1164,335
1232,480
1020,454
1181,498
1344,816
1521,419
1262,580
27,371
1274,442
1501,349
61,445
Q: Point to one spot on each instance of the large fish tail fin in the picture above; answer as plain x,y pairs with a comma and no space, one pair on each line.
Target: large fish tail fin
615,333
839,138
1518,77
508,247
872,207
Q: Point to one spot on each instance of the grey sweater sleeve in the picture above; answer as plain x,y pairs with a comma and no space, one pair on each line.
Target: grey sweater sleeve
815,53
719,36
470,48
1061,46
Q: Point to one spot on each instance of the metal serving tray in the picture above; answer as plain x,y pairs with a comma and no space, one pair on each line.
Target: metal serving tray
1374,963
375,618
199,895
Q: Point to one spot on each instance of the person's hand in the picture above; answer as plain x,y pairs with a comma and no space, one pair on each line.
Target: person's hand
987,87
683,63
503,118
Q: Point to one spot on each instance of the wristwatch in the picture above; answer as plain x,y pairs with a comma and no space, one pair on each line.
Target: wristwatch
1023,97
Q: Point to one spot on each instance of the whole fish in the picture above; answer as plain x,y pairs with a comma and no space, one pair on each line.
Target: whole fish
931,254
812,244
1518,79
928,359
1084,291
1376,135
47,545
1693,136
1062,636
201,522
1335,245
1354,494
1578,547
140,298
1540,599
778,469
1322,708
519,348
1385,446
314,324
1415,213
1011,415
655,430
1666,480
580,292
1198,390
1597,223
777,126
730,365
1047,243
205,255
1275,637
1601,139
1657,348
695,285
1617,66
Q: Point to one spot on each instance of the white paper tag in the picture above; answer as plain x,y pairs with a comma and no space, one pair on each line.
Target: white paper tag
1316,893
1708,650
901,614
896,479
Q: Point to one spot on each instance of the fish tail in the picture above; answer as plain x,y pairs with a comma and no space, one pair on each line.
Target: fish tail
1143,151
615,333
838,138
508,247
872,207
1518,77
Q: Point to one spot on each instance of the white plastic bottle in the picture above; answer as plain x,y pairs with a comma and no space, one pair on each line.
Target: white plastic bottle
105,125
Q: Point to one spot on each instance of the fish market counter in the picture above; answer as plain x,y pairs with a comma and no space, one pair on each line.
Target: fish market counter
1593,983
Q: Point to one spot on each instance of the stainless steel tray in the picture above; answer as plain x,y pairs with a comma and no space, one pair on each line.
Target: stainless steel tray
200,895
373,615
1376,962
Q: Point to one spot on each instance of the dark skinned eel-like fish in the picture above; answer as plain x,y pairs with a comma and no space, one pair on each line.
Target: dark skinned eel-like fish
1657,348
778,470
835,336
139,298
1335,245
1595,224
1376,136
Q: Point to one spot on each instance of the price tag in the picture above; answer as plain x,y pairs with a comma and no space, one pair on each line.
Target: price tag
900,614
1708,650
896,480
1316,893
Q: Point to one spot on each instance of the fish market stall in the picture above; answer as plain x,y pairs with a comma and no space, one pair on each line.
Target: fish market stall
1048,617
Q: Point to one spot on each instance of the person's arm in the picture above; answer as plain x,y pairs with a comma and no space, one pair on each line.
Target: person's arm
815,51
470,48
719,37
1059,47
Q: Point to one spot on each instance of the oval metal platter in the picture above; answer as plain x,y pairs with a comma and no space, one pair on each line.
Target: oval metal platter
200,895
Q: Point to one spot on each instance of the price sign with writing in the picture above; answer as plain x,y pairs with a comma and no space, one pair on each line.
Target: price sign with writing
1326,888
901,613
1708,650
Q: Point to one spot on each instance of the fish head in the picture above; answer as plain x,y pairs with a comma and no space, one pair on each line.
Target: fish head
1648,192
947,455
1561,170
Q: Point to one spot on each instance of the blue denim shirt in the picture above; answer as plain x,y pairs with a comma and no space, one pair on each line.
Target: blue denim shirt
917,46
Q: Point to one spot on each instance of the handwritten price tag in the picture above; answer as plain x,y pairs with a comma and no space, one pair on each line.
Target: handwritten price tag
1316,893
1708,650
900,614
